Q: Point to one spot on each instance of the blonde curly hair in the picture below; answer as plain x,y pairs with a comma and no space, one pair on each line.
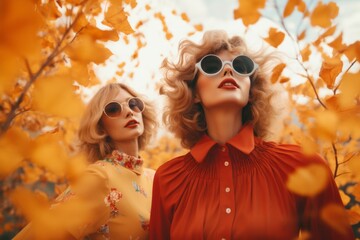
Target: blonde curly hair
183,116
93,140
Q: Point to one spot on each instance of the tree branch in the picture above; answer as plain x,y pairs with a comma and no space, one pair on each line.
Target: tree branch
34,76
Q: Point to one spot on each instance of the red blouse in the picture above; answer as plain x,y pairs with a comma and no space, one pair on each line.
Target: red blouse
238,191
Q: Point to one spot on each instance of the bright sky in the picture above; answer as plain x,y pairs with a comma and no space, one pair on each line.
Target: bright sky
212,14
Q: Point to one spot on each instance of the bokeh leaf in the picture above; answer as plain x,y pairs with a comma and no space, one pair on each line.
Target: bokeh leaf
309,180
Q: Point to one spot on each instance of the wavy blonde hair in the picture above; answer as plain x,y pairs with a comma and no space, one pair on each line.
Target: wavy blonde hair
185,118
93,140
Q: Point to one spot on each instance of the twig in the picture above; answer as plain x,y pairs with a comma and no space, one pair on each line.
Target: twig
33,77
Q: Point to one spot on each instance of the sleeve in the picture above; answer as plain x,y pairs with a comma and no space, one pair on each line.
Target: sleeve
76,213
324,215
160,217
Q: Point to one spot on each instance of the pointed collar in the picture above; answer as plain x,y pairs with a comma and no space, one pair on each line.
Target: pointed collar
127,161
243,141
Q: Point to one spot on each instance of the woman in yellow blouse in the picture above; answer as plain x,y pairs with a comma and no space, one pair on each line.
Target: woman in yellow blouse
112,198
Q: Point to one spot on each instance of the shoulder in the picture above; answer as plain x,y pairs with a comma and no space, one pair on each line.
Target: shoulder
288,153
172,165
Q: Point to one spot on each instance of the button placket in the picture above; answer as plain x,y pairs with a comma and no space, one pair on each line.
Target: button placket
227,198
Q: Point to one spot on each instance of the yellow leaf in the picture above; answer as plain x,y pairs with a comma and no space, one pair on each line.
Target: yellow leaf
14,146
335,216
116,17
185,17
275,37
330,69
305,53
276,72
248,11
323,14
350,89
55,95
309,180
85,49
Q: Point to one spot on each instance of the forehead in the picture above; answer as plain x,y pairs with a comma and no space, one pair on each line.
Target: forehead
119,95
227,55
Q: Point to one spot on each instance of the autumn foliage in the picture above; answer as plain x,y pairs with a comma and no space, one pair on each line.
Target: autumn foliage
49,51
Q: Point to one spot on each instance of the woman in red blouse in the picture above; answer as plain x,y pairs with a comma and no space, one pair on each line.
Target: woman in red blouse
232,183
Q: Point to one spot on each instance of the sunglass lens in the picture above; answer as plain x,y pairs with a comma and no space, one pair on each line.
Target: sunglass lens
243,64
211,64
136,105
113,109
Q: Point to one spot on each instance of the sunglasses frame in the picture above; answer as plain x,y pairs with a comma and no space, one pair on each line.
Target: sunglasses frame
198,66
121,107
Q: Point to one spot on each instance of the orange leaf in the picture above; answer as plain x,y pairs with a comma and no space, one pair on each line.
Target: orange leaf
330,69
14,146
337,44
185,17
305,53
308,180
350,89
276,72
116,17
290,6
353,51
344,197
330,31
284,79
198,27
85,49
275,37
55,95
50,10
301,36
132,3
335,216
323,14
248,11
326,124
354,215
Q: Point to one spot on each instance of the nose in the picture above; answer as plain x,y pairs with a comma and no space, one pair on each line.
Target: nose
127,110
228,70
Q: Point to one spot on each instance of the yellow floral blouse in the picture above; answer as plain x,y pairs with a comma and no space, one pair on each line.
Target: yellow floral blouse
117,195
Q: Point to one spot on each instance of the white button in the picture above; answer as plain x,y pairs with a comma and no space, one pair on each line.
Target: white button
223,149
226,163
227,189
228,210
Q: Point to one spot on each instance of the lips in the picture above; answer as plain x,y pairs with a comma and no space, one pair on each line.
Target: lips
132,123
228,83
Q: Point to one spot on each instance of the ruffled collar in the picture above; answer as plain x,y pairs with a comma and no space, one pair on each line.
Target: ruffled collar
127,161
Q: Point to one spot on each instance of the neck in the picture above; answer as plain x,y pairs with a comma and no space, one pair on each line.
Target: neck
128,147
223,124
